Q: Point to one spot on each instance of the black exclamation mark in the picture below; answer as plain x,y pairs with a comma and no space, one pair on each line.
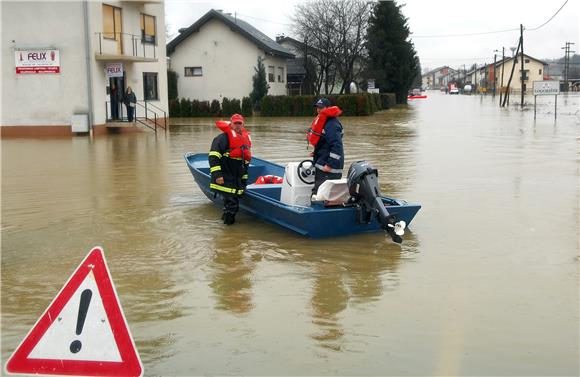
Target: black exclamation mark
83,308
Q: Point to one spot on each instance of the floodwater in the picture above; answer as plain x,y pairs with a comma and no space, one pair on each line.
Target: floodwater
486,282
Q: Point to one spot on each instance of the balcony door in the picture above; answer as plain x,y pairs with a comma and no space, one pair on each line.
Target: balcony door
113,26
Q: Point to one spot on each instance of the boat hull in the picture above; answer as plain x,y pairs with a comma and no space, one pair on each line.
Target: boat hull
317,221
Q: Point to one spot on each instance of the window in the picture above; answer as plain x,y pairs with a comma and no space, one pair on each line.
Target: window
150,86
147,28
525,75
193,71
539,72
271,73
280,74
111,22
527,61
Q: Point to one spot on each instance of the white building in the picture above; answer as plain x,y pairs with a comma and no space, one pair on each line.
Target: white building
215,58
58,59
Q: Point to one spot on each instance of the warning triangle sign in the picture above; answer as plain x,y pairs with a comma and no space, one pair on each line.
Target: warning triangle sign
83,332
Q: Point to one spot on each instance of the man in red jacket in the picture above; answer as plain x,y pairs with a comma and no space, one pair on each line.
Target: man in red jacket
229,158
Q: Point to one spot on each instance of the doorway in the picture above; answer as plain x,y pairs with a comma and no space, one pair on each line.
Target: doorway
116,93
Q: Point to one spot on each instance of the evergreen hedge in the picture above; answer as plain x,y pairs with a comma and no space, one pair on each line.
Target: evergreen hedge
360,104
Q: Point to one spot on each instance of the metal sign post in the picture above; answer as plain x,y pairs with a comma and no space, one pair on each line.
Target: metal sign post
542,88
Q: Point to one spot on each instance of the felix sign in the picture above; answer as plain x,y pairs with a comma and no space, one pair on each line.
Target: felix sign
37,61
114,70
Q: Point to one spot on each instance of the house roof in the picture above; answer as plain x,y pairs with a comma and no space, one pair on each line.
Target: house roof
297,43
251,33
526,55
437,70
296,67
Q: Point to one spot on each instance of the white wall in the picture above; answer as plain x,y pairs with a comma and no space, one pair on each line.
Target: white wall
227,60
51,99
43,99
131,13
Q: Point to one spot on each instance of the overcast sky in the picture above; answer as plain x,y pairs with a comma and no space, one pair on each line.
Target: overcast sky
427,18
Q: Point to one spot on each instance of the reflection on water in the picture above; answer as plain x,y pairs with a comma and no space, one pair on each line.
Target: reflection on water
231,284
486,282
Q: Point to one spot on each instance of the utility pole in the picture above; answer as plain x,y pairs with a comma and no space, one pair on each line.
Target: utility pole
567,64
494,80
502,65
522,64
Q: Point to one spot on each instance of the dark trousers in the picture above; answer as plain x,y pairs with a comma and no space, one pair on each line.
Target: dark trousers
320,177
231,206
114,110
130,111
231,203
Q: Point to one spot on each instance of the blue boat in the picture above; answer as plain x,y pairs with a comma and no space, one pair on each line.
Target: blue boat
315,221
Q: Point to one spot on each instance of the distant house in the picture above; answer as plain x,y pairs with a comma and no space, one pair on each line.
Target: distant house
534,70
438,77
215,58
298,76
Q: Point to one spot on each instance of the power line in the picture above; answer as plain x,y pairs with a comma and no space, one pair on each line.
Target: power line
558,11
463,35
262,19
490,32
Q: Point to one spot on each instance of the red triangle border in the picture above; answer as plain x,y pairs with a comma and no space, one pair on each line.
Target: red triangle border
129,366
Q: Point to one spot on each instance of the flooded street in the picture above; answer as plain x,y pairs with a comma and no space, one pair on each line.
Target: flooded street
485,283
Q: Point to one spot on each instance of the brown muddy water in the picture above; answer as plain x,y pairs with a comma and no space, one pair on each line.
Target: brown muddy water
486,282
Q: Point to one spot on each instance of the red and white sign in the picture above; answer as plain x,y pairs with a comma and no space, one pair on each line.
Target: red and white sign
114,70
37,61
83,332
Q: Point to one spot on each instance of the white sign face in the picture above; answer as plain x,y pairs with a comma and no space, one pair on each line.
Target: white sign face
114,70
546,88
37,61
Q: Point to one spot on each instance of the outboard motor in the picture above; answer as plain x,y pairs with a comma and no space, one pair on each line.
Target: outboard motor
363,186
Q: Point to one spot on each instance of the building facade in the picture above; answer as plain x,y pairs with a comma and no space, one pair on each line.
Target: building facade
69,59
215,58
534,70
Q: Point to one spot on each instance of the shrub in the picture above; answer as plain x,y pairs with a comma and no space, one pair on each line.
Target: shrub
185,106
265,106
235,107
388,100
226,107
194,108
204,108
215,107
174,108
246,106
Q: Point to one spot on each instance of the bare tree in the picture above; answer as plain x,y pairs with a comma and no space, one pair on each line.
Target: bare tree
334,31
352,22
314,24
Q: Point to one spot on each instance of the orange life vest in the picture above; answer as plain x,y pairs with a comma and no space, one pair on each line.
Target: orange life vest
239,144
315,131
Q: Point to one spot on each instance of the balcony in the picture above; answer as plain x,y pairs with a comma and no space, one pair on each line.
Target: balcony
124,47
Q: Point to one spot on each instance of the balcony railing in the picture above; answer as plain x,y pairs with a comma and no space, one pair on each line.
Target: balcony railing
124,46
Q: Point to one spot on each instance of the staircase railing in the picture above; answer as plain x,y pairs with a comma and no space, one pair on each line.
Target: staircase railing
150,115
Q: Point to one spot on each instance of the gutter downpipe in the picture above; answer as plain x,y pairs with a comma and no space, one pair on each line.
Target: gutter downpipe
88,70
